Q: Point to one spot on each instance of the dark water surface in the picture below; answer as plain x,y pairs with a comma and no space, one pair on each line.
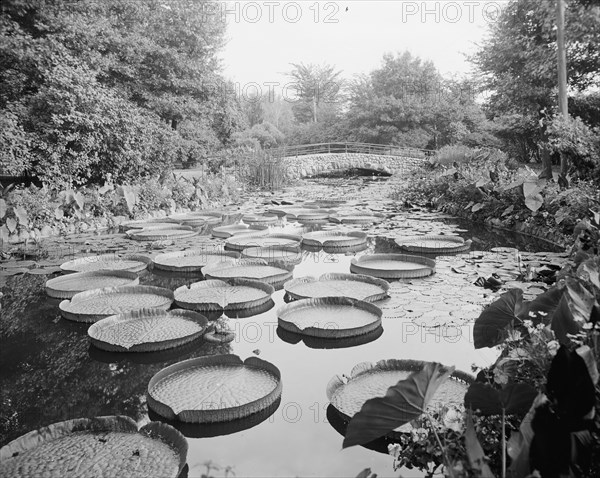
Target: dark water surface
49,372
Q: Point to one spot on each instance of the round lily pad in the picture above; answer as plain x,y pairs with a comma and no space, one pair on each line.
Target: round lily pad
101,446
358,218
199,218
243,241
213,389
147,224
93,305
147,330
329,343
225,232
191,260
131,263
334,239
217,294
393,266
275,254
66,286
330,317
173,232
354,286
434,244
260,220
252,269
368,380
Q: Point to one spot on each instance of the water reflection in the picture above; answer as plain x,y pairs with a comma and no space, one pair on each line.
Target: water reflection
320,343
206,430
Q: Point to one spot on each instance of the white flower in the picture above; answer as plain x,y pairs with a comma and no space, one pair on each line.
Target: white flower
553,347
453,419
419,435
394,450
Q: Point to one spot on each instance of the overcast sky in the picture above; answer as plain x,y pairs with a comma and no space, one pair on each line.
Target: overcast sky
264,37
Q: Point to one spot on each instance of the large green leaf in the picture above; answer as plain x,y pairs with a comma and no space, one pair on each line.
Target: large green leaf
490,327
543,306
474,450
3,208
513,398
402,403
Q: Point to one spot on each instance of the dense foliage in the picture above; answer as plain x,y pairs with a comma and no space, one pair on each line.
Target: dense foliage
127,88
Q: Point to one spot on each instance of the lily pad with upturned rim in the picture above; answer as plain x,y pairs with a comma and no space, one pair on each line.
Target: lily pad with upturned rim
393,266
191,260
131,263
370,380
250,269
175,232
225,232
198,218
67,285
275,254
147,330
93,305
260,219
243,241
434,244
110,446
235,294
334,239
354,286
330,317
357,218
214,389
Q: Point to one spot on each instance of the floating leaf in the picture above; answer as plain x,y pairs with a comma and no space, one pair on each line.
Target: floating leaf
11,224
403,402
490,327
474,450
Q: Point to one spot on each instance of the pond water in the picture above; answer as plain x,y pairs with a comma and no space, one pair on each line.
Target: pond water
49,372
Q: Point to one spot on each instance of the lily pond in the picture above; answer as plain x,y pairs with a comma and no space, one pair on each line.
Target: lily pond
51,372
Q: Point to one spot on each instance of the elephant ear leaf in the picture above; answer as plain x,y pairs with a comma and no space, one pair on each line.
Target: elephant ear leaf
491,326
402,403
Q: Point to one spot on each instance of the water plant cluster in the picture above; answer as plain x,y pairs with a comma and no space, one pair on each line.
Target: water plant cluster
534,411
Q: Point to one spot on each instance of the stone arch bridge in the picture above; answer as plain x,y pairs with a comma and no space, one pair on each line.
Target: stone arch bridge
311,160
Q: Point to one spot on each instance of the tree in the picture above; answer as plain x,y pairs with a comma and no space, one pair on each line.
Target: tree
318,92
407,102
517,65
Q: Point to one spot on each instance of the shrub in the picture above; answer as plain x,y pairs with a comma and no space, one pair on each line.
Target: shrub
449,155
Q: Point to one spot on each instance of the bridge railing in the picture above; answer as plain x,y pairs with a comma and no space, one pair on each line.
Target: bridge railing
323,148
349,147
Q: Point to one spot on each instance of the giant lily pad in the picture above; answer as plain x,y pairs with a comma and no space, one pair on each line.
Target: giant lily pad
334,239
162,234
218,294
225,232
191,260
275,254
92,305
330,317
164,223
66,286
213,389
357,218
361,287
371,380
199,218
243,241
434,244
147,330
393,266
260,220
112,262
252,269
101,446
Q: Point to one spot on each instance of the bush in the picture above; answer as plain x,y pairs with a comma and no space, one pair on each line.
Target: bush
449,155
